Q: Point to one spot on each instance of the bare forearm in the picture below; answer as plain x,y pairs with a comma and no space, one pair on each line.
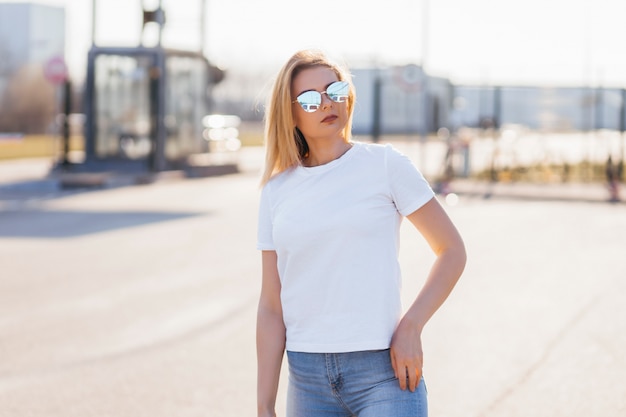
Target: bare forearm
445,241
442,278
270,351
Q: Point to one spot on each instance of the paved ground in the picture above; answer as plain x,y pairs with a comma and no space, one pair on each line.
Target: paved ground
140,301
22,182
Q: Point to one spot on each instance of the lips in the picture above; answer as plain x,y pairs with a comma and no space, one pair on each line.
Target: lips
329,118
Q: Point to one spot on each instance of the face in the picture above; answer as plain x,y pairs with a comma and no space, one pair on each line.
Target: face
330,118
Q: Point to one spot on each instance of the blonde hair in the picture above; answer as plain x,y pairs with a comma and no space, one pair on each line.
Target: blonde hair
285,147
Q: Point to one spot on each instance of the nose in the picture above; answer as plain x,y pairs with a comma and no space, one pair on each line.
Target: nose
326,101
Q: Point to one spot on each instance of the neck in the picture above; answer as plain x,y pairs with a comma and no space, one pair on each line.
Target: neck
323,152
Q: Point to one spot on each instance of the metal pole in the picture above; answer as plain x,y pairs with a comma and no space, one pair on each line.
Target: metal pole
588,68
425,107
376,109
143,23
497,107
161,21
203,17
93,23
67,109
425,33
622,115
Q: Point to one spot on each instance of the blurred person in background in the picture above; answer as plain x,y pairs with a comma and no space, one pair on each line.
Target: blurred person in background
329,221
613,177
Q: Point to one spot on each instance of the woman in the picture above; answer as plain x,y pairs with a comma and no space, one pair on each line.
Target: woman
329,221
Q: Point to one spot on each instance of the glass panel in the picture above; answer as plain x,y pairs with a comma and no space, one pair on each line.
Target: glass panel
186,105
122,95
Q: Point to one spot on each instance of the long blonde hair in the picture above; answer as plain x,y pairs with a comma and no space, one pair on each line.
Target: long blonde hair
285,147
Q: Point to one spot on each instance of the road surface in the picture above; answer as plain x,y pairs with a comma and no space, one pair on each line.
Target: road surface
140,301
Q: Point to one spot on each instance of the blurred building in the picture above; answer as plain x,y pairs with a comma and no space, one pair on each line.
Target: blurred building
400,99
540,108
405,100
30,35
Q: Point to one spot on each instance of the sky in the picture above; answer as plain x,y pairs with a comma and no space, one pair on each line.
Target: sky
530,42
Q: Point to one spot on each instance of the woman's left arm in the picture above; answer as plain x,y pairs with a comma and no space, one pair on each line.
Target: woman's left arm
442,236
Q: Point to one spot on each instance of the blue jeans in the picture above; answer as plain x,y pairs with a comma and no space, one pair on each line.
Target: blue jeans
360,384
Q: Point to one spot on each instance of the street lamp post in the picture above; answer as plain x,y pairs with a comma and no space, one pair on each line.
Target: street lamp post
425,112
203,17
93,23
425,32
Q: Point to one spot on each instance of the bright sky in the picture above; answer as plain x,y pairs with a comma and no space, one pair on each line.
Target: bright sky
560,42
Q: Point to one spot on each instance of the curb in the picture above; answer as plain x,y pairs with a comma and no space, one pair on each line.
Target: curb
574,192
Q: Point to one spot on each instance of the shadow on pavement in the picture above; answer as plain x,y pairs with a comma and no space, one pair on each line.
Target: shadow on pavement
66,224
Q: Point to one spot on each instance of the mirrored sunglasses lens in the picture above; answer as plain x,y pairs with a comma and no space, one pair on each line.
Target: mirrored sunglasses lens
310,100
338,91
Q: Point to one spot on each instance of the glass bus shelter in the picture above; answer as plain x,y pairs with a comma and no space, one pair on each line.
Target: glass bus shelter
144,108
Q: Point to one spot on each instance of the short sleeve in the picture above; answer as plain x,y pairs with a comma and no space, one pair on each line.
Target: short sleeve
409,188
265,240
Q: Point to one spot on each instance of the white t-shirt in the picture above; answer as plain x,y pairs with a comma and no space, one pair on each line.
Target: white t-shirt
335,229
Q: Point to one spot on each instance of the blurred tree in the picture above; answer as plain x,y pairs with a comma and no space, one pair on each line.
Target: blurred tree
28,101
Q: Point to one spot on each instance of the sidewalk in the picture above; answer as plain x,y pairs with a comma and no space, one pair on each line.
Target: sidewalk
15,171
585,192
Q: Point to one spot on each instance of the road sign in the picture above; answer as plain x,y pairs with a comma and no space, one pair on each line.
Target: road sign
409,77
55,70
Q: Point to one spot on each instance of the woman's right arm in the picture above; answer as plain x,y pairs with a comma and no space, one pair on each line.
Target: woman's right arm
270,336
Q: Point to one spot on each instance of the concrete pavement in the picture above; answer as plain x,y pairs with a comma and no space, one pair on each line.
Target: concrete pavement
140,301
581,192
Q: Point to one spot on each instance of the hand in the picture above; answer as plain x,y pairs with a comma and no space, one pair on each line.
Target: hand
407,356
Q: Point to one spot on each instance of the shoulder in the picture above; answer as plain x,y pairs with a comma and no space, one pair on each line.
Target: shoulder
278,179
378,149
387,153
374,151
372,148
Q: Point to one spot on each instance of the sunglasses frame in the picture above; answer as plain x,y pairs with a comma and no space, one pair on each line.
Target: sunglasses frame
337,98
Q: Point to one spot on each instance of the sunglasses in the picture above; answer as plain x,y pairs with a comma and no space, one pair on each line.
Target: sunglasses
311,100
